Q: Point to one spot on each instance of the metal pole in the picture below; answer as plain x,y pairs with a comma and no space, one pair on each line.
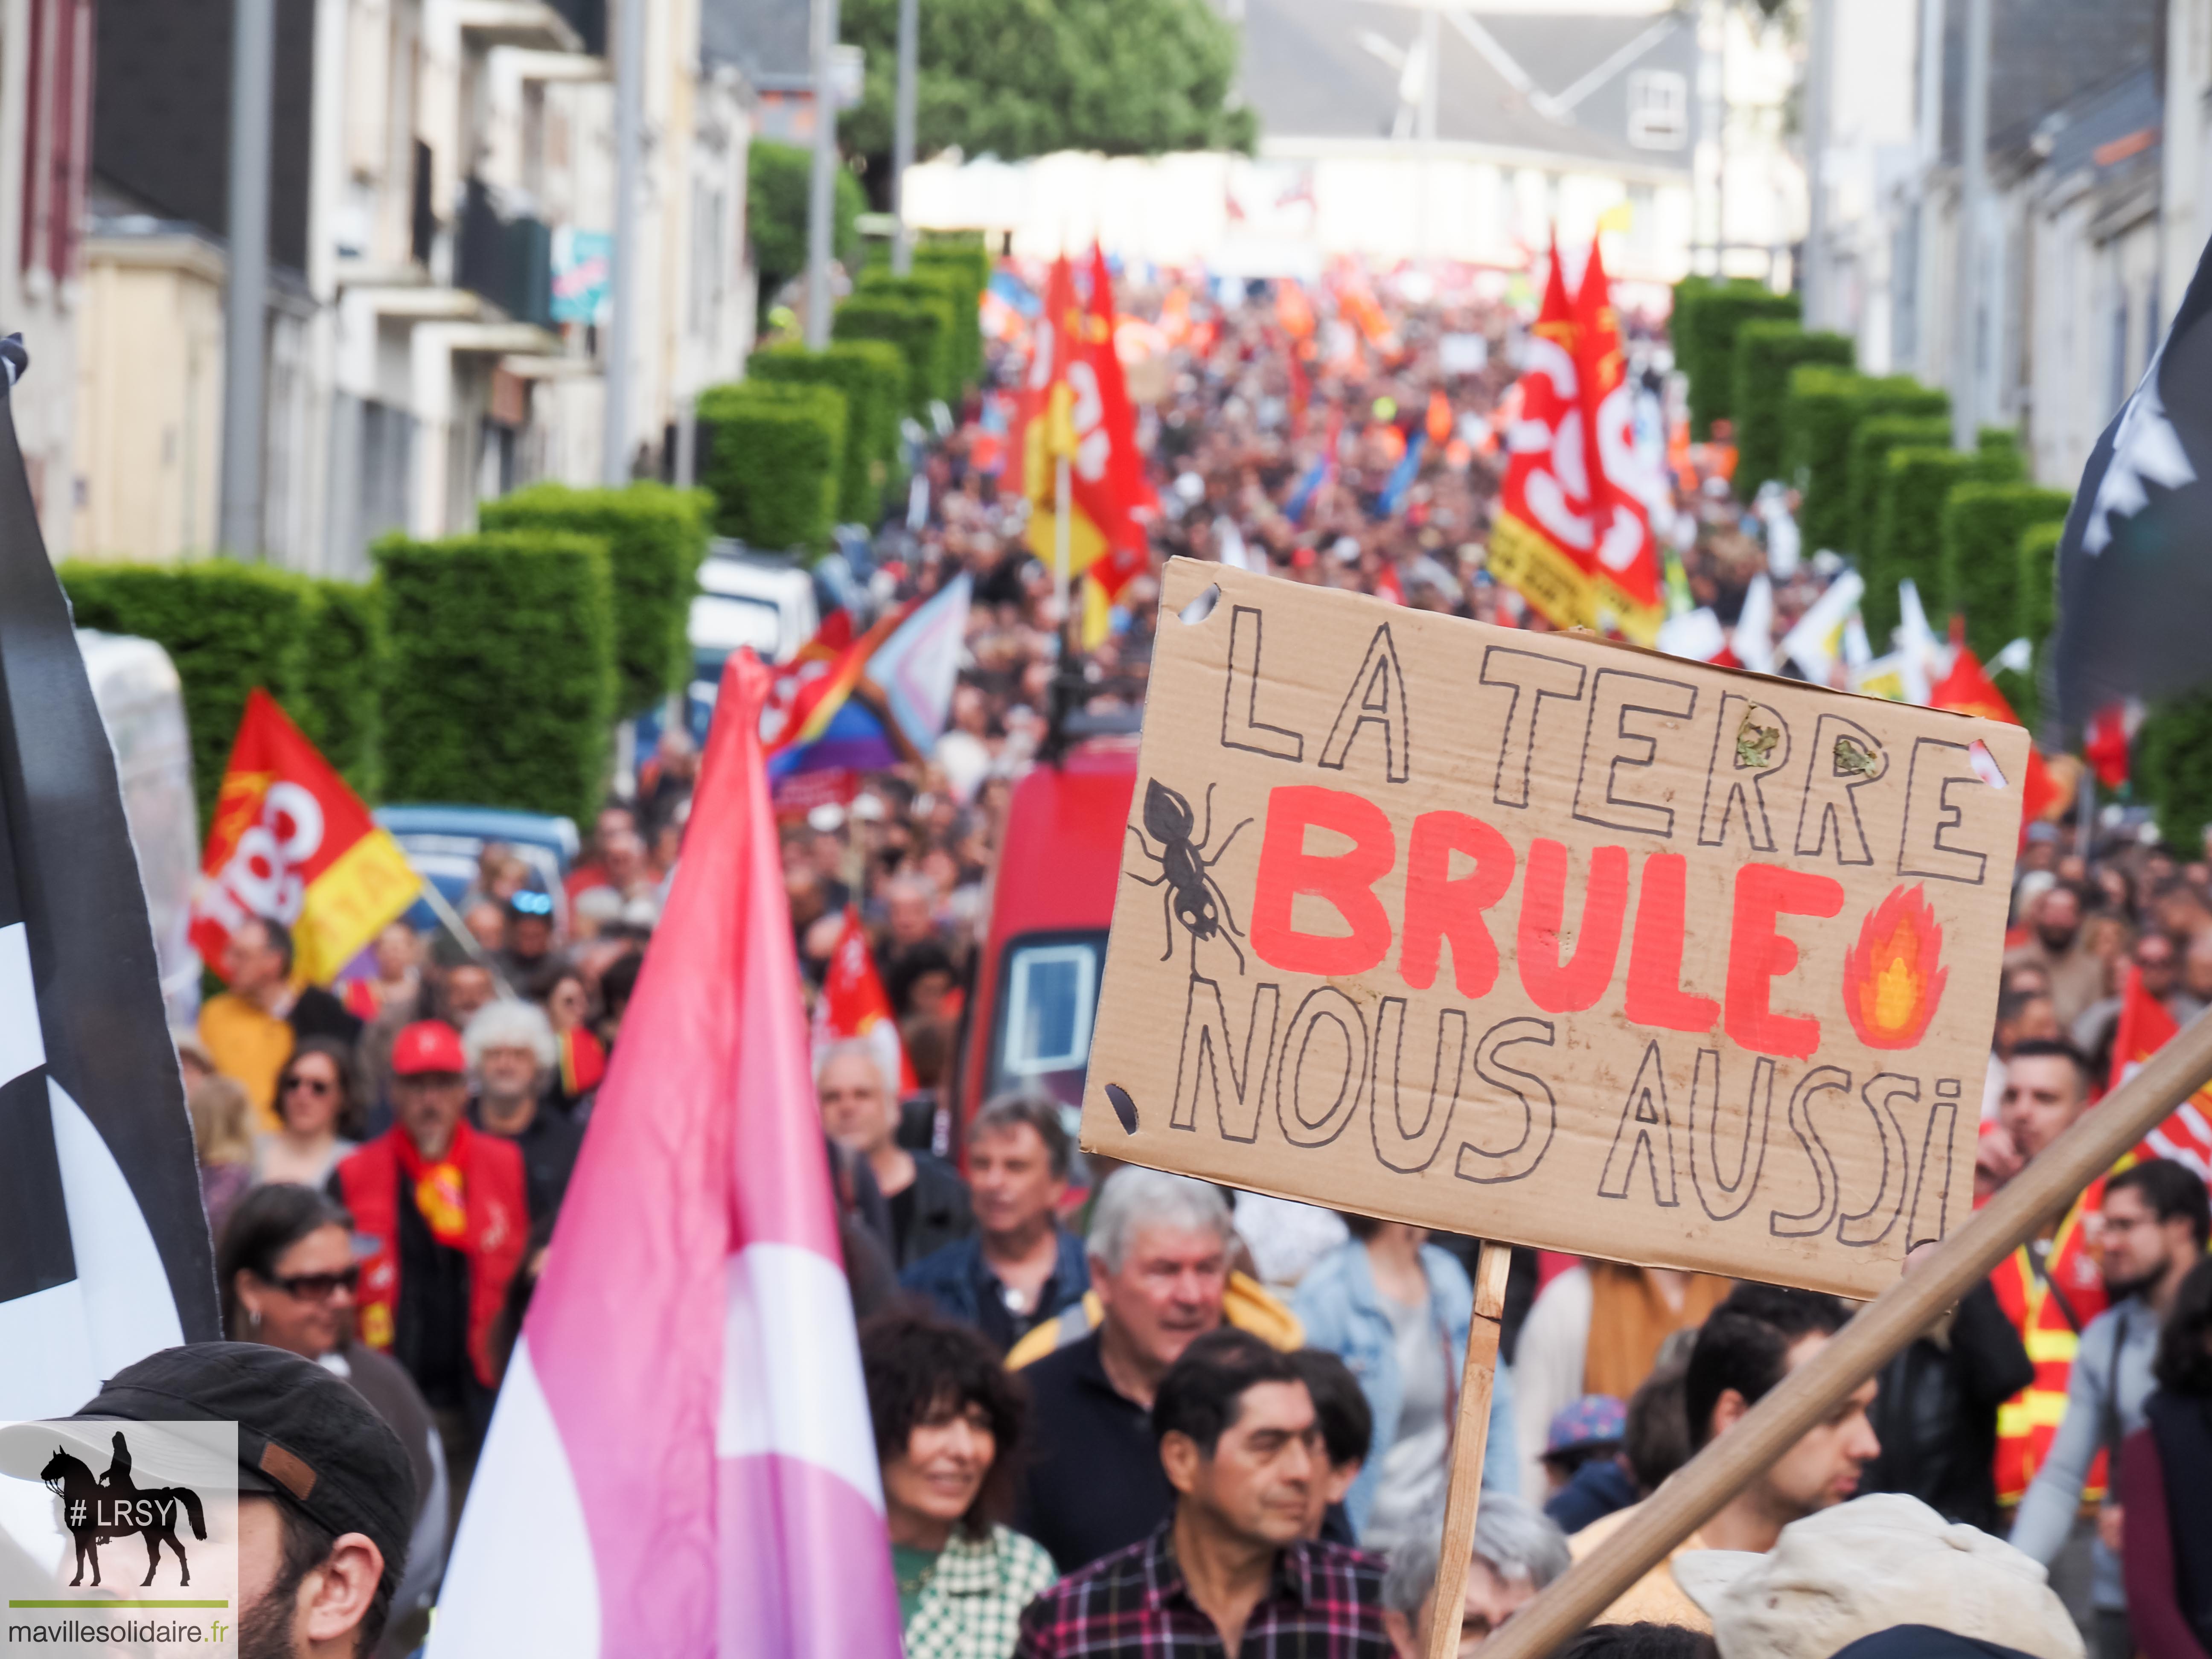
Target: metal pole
625,269
1970,280
245,308
1931,156
1431,46
822,199
1819,59
910,57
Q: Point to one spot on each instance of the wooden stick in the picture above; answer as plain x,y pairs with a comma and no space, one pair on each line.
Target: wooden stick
2039,1193
1470,1438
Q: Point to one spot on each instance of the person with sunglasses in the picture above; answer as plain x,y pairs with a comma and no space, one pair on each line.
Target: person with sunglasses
529,952
286,1273
314,1109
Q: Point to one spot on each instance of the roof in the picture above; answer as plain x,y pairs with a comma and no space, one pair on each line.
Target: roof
2044,56
765,40
2106,127
1542,83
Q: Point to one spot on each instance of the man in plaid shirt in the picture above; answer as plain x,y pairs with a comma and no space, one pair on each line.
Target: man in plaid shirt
1229,1573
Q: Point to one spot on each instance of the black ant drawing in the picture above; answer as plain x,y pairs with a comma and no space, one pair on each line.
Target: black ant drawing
1192,894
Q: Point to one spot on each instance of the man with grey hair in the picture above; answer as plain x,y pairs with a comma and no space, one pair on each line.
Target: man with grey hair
511,1055
1159,1265
1517,1550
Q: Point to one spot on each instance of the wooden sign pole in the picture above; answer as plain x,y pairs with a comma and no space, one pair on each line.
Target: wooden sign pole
2099,1139
1470,1439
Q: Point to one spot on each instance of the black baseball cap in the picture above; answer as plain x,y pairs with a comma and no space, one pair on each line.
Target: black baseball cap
305,1436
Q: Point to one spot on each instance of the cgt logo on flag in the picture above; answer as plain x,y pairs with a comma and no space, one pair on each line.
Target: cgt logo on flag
292,843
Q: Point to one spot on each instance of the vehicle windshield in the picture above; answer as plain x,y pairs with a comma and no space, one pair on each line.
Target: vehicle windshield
728,622
1047,993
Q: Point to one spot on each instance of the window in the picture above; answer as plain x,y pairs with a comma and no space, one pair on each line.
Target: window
1052,993
1658,109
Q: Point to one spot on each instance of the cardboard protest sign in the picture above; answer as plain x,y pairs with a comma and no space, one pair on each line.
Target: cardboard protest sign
1550,941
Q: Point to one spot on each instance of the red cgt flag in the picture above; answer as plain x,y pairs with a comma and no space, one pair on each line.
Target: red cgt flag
854,1005
1541,540
1625,572
1968,689
292,842
2145,1026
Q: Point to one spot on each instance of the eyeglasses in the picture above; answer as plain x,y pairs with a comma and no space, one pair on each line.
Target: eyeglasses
318,1287
313,1086
530,902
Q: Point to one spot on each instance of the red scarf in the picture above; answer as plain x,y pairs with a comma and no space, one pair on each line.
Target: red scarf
441,1190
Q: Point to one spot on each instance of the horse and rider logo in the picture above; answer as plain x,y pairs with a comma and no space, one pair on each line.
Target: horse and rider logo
97,1510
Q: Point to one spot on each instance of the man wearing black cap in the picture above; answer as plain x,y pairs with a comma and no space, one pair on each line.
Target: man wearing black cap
326,1495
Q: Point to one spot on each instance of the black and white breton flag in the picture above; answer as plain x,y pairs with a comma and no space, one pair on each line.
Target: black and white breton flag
104,1254
2135,565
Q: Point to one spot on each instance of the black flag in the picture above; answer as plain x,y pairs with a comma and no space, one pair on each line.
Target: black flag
104,1253
2134,567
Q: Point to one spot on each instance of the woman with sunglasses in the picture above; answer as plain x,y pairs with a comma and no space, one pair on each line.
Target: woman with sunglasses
314,1104
286,1273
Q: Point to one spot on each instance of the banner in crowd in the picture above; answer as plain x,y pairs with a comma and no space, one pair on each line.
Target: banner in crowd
104,1253
853,1003
680,1462
1625,581
1544,939
292,842
881,700
1541,536
2134,586
2146,1026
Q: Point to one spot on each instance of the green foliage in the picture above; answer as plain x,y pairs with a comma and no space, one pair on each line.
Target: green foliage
966,267
777,179
1825,409
1908,543
933,287
1872,441
1766,351
655,537
775,462
2001,462
501,685
918,331
1982,564
1017,78
339,703
2174,763
871,375
228,626
2038,607
1706,316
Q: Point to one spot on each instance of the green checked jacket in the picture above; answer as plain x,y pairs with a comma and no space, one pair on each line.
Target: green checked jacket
971,1607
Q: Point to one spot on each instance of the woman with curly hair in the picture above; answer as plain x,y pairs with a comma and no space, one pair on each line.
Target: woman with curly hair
948,1420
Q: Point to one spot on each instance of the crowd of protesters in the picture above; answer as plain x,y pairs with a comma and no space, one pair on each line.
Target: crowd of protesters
1124,1413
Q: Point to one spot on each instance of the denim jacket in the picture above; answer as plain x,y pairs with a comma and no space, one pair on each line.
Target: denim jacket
1343,1312
956,1280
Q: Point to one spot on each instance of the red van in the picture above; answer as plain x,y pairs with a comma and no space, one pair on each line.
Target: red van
1037,986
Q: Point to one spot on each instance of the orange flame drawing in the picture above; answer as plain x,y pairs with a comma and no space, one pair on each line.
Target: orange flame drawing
1894,976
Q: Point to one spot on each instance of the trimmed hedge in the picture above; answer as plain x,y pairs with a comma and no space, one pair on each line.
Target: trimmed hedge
2039,607
1825,409
871,375
340,701
655,538
1766,353
228,626
2174,763
967,263
1998,447
918,331
1908,540
1707,315
1872,441
775,461
936,288
1983,524
500,689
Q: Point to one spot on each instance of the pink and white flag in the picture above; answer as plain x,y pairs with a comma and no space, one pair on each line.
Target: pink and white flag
680,1464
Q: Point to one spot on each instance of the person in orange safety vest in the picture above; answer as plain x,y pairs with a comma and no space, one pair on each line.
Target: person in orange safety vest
2051,1287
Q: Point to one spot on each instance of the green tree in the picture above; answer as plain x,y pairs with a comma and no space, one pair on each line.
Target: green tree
777,176
1016,78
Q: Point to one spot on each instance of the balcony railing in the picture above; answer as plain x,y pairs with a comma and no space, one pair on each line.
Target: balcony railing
510,261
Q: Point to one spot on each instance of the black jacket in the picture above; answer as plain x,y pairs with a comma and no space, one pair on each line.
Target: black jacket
1936,1413
934,1212
1095,1484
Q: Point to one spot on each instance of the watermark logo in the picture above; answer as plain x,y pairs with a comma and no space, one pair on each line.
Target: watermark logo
79,1500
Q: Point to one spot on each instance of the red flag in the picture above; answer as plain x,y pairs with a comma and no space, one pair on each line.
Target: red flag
1542,539
1627,579
1118,498
292,842
854,1005
2145,1026
680,1460
2106,746
1968,689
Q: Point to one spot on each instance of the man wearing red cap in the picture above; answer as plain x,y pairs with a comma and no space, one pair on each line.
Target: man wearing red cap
444,1209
